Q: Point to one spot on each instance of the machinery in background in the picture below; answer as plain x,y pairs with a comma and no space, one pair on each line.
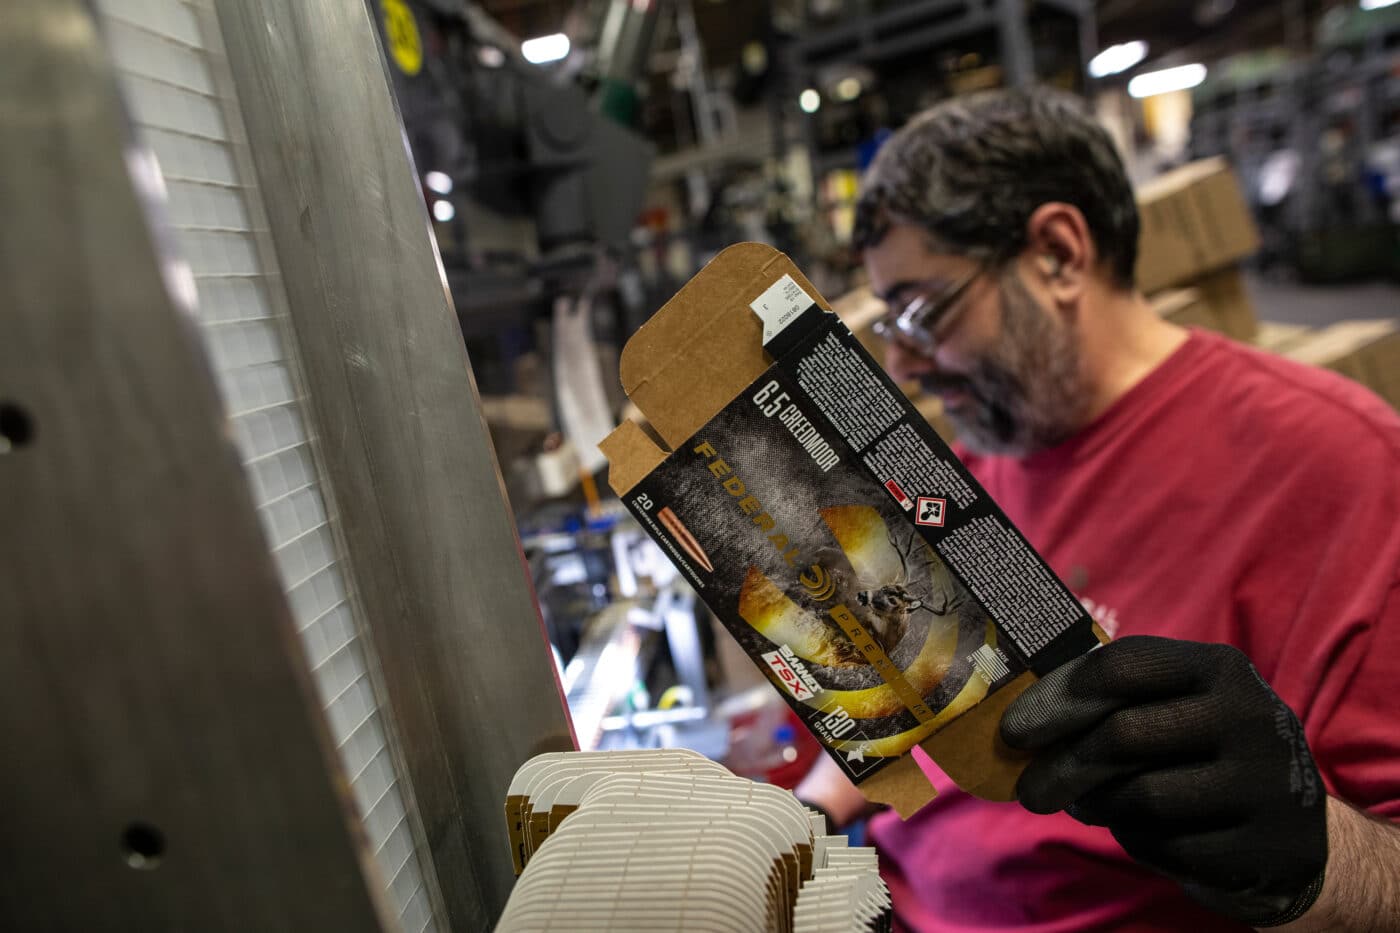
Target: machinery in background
858,69
1316,141
529,180
534,185
646,668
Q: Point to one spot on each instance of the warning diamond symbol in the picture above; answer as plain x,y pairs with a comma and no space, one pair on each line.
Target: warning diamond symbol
931,511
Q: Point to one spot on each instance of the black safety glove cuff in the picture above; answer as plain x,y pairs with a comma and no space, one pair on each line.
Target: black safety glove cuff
1299,907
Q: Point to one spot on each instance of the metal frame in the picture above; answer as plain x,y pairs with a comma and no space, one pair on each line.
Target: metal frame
873,36
169,767
429,536
869,37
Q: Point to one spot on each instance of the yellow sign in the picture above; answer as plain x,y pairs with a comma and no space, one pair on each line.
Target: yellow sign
405,45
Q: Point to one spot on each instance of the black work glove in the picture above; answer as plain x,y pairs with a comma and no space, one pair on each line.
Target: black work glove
1196,766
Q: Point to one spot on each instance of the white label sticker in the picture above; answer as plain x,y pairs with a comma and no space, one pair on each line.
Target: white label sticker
780,305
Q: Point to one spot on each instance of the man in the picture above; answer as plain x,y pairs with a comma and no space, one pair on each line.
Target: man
1196,494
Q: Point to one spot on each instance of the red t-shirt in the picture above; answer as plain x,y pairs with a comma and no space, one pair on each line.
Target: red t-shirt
1231,496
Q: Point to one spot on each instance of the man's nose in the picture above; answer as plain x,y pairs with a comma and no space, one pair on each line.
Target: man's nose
904,363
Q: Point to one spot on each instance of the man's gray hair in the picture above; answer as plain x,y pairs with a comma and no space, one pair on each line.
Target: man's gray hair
971,171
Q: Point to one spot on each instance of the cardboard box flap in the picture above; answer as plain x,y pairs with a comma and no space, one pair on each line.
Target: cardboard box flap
676,385
632,454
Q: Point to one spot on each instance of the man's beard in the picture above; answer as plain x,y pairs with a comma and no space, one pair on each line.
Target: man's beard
1026,393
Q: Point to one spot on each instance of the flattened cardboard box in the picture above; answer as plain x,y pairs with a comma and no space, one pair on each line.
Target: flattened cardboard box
840,541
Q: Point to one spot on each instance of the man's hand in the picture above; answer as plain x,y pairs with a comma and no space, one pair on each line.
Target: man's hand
1193,763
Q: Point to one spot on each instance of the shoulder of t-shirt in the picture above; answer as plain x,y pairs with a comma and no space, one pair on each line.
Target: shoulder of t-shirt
1303,408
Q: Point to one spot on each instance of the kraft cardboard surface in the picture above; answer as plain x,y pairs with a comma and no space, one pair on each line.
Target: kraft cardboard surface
1193,220
706,345
699,373
1277,338
1224,291
1186,307
859,309
1216,301
1366,351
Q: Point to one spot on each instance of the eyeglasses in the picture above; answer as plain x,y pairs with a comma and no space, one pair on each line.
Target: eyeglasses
924,321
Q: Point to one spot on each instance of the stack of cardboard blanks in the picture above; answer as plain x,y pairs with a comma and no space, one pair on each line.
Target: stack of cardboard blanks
658,841
845,895
1196,228
533,803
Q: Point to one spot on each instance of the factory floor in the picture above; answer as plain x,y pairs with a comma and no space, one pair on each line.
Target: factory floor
1319,305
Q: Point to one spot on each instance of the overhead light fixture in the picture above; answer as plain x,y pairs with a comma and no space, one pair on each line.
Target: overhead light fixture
443,211
810,100
545,49
1181,78
490,56
441,182
1117,58
1377,4
848,89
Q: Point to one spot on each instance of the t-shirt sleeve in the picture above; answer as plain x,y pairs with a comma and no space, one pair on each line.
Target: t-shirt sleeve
1332,578
1354,722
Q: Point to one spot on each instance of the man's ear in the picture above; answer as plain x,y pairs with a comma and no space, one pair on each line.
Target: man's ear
1058,239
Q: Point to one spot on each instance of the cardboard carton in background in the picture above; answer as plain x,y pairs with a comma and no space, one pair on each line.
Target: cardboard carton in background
1224,291
1366,351
1194,220
1278,338
859,309
1186,307
1217,301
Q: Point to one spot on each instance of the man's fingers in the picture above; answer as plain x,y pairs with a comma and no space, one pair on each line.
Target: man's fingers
1165,797
1191,761
1081,692
1057,779
1127,741
1048,711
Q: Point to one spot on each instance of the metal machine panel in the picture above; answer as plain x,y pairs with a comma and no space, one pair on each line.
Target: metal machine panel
430,539
175,83
167,763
